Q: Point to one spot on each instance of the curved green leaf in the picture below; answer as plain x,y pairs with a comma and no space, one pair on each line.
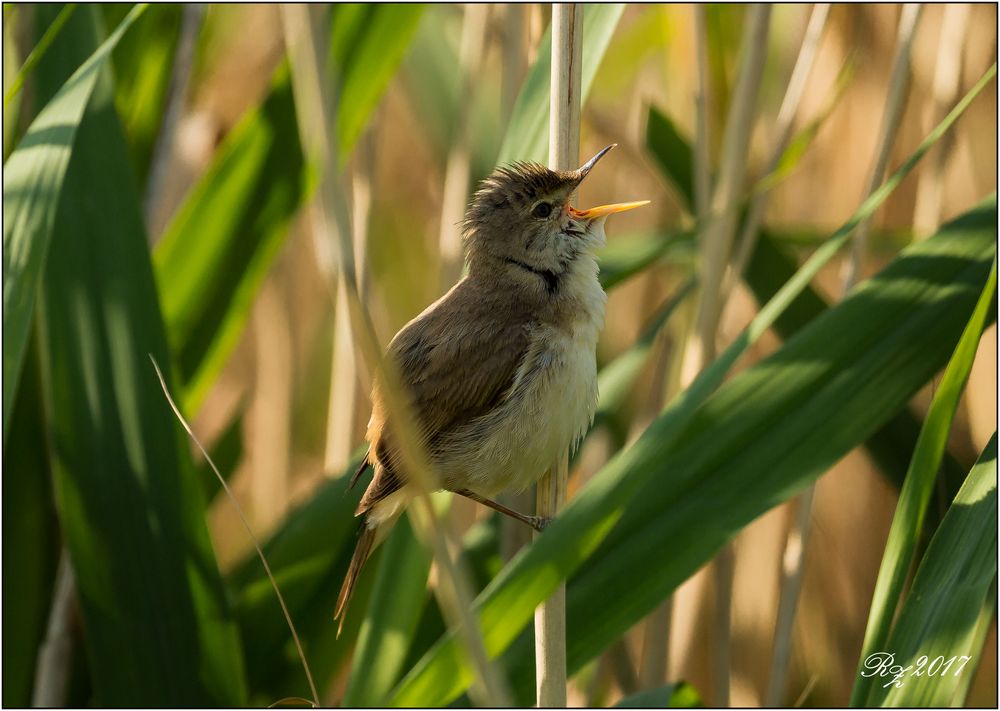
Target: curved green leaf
156,623
916,492
33,179
953,593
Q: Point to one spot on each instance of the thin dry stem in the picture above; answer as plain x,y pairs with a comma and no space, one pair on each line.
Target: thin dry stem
702,184
55,656
564,150
246,526
891,118
946,90
792,571
180,78
456,180
783,129
453,591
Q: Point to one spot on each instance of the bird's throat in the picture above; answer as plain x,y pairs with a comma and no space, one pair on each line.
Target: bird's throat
550,277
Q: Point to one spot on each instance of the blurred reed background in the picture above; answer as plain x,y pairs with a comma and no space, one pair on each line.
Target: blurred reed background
289,405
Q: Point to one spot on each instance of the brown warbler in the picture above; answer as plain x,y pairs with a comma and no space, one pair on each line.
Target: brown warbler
501,371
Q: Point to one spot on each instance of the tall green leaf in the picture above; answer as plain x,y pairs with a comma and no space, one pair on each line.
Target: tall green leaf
953,587
33,179
705,469
156,623
920,480
527,136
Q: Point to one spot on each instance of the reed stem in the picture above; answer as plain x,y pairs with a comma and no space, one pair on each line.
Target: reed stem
55,655
564,150
946,90
891,118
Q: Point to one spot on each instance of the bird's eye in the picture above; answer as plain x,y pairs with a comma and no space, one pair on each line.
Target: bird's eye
542,209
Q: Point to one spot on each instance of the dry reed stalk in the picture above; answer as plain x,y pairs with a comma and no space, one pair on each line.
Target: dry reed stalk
180,77
946,91
345,374
716,233
783,130
891,118
702,182
310,87
456,177
272,409
55,655
564,151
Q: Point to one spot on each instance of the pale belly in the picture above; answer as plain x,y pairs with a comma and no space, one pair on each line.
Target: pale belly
526,436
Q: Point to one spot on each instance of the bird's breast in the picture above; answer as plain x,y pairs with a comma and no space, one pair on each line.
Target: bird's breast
549,407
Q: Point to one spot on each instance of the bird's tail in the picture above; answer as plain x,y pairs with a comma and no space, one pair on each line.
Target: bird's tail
366,543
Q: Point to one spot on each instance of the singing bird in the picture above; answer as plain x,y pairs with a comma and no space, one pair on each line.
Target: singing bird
501,371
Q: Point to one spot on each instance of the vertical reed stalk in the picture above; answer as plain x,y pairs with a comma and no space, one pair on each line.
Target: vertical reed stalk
564,151
314,113
894,104
946,90
180,77
702,182
55,656
272,407
783,130
345,375
456,177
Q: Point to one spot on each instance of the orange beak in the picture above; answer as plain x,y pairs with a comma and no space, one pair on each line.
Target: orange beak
605,210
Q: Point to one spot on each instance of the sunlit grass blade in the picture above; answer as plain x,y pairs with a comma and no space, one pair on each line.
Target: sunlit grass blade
941,617
32,183
527,136
38,51
154,614
916,492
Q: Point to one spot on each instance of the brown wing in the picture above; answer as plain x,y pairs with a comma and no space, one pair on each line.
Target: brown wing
458,359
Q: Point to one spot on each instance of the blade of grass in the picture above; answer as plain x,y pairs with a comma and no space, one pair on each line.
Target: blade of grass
38,51
33,179
157,626
916,492
952,592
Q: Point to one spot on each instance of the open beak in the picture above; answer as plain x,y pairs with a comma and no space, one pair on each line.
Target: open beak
603,210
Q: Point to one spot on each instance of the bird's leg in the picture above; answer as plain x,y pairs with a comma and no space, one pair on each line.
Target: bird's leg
536,522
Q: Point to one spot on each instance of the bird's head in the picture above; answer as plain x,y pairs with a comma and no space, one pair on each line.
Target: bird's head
522,214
